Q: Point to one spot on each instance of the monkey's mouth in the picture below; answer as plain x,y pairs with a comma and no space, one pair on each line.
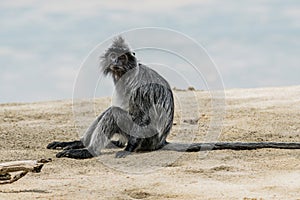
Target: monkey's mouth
116,68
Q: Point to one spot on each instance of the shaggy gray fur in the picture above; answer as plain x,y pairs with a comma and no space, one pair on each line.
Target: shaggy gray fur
143,105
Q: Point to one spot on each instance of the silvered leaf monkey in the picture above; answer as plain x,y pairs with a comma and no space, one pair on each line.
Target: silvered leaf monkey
141,115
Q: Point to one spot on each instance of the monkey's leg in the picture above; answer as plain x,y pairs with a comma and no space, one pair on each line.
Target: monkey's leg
96,139
116,120
86,138
77,144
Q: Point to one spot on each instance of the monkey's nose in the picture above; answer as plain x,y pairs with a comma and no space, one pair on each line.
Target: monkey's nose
114,62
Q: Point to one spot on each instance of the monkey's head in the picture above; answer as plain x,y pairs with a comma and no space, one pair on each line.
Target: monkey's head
118,59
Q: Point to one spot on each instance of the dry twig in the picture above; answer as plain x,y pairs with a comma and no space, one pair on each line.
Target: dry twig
23,166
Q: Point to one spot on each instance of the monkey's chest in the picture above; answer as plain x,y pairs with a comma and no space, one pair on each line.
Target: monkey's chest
121,99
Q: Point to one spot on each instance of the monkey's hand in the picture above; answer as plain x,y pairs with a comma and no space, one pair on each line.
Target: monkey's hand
122,154
75,153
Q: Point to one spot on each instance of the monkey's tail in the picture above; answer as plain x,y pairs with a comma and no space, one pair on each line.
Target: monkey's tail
194,147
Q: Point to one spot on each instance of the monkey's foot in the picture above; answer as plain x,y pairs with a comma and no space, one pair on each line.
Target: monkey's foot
55,145
75,153
122,154
74,145
65,145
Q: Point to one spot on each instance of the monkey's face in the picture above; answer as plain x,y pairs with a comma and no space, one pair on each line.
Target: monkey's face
118,59
121,63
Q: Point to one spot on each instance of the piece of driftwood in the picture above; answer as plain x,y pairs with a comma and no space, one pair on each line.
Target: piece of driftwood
23,167
194,147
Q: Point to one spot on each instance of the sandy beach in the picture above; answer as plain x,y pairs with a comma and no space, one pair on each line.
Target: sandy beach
252,115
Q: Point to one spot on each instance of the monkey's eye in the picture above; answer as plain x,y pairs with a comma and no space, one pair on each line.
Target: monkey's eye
123,58
133,53
112,56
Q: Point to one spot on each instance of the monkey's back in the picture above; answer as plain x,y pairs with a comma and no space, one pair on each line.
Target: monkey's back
148,98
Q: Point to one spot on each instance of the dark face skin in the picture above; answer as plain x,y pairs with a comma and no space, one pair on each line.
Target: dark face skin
119,64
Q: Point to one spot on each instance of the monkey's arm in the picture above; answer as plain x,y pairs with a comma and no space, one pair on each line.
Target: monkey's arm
96,136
